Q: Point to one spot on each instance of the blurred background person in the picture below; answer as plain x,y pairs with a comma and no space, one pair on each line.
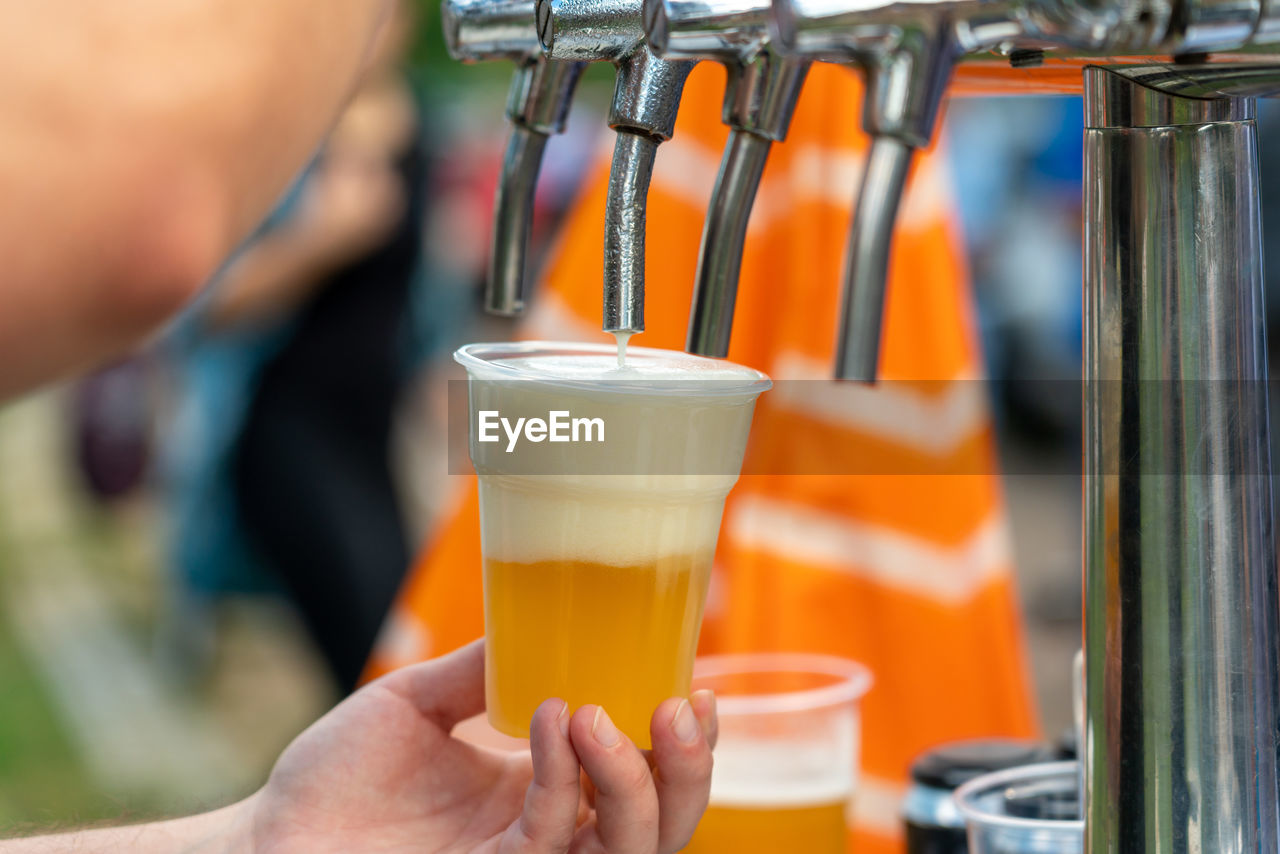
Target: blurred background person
90,726
142,145
143,142
278,459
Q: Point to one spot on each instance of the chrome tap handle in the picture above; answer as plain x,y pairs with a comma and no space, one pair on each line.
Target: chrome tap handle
537,105
646,96
867,263
731,31
485,30
907,54
724,235
624,231
904,92
513,221
760,98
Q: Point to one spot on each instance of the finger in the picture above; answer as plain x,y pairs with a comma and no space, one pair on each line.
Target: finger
626,801
704,706
550,816
682,776
446,689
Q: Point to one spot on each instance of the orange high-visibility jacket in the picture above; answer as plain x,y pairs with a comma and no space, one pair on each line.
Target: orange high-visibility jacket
909,574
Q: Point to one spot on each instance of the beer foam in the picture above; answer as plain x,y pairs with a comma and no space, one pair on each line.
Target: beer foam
605,370
755,775
619,521
674,432
638,364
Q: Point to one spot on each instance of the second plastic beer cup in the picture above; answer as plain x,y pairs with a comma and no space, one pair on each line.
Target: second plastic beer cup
601,491
786,767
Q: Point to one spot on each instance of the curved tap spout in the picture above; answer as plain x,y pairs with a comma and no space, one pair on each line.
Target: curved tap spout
723,237
537,105
513,221
645,99
904,91
624,228
758,104
867,264
760,97
908,54
646,96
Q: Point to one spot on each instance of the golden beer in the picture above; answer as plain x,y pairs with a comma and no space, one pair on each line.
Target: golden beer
763,829
775,795
785,767
619,636
601,490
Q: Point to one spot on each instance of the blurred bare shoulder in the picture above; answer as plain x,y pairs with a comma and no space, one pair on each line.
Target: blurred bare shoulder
139,141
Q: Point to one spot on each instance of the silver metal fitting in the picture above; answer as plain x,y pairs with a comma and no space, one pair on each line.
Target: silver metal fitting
760,98
537,105
646,97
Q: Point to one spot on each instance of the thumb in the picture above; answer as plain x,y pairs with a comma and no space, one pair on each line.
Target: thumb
444,690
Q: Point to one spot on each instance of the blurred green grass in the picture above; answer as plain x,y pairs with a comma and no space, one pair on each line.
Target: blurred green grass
43,783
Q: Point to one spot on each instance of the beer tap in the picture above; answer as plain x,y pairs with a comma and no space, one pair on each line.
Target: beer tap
646,96
1182,612
537,106
907,52
759,100
1182,625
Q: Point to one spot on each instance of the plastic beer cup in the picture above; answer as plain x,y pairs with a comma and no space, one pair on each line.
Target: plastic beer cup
601,491
786,763
1034,809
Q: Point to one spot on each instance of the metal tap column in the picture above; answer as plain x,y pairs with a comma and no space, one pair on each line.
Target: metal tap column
646,97
761,90
537,105
1182,680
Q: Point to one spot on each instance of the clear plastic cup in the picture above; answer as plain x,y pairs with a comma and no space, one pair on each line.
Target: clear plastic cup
598,544
1034,809
786,762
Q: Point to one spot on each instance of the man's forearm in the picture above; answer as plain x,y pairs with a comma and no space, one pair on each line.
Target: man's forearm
224,831
142,140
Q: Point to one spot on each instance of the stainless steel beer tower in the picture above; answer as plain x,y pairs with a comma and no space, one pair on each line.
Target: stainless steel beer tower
1183,684
1182,603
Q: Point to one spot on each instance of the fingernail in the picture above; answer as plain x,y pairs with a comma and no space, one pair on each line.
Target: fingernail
603,729
563,719
704,703
684,724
